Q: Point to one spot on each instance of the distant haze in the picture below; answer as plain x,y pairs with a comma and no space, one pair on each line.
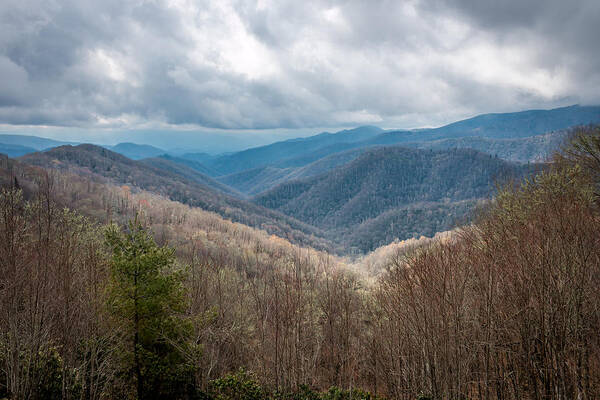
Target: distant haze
208,141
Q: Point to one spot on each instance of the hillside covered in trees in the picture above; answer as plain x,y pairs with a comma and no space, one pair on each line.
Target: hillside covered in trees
527,149
180,303
354,206
177,182
398,184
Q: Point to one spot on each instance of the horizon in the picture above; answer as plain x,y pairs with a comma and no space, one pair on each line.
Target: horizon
261,140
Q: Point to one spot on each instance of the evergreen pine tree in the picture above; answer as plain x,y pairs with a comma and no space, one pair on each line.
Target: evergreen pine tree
148,301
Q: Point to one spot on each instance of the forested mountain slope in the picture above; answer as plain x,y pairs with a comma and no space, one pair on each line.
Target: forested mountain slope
386,178
257,180
105,202
523,150
167,181
191,163
415,188
173,167
528,149
254,181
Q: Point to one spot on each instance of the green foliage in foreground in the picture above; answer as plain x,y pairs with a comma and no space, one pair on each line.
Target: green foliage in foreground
243,386
147,298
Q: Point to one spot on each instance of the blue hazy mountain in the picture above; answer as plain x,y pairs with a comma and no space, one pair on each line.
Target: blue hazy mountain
500,125
278,151
190,163
179,142
253,181
15,150
506,134
136,151
299,152
35,142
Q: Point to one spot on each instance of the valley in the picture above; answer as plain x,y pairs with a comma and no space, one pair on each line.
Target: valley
347,192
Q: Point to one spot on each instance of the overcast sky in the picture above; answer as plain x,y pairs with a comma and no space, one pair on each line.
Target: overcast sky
236,65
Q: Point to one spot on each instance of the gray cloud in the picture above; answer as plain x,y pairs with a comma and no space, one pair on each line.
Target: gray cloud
558,34
288,64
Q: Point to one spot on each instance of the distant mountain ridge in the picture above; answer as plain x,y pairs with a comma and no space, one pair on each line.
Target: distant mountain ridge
28,144
499,125
480,132
35,142
136,151
272,153
523,123
15,150
357,188
523,150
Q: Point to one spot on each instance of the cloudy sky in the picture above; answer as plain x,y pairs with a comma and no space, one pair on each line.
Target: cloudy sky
229,65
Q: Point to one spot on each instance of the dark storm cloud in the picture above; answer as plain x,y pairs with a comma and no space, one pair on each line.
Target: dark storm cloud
567,28
288,64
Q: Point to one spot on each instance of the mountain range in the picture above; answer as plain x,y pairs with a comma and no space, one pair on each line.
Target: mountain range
176,182
300,152
348,191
